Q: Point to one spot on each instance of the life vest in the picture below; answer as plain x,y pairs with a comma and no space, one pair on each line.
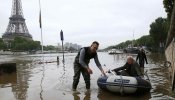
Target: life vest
88,55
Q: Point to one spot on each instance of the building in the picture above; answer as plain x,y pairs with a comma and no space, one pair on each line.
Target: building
17,26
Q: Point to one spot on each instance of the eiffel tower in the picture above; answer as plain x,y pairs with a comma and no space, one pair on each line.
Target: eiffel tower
17,26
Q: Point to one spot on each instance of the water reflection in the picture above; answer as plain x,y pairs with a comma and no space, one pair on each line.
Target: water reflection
63,72
8,79
104,95
87,96
156,58
20,89
76,97
41,84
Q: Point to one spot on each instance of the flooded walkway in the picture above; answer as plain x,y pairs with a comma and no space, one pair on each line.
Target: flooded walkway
49,81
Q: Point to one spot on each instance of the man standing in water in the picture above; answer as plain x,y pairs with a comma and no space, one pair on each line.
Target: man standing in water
142,58
81,65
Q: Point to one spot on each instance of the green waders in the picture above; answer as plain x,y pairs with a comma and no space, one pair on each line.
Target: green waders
78,69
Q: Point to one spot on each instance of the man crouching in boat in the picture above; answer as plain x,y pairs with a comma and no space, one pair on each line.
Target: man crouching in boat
131,68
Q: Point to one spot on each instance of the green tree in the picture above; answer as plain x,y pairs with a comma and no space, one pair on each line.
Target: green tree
145,41
22,44
159,30
168,5
124,44
2,45
49,47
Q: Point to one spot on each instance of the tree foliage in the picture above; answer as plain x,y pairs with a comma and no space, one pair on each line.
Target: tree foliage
145,40
120,45
159,30
168,5
22,44
2,45
49,47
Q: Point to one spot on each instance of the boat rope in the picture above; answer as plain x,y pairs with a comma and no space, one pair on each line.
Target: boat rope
121,82
121,85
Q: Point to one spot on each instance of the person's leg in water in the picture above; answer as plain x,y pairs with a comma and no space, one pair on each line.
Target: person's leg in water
86,77
142,67
76,77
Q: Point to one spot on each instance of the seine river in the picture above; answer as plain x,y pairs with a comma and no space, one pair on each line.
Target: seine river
51,81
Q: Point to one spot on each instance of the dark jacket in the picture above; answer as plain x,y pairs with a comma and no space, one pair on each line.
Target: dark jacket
142,58
132,70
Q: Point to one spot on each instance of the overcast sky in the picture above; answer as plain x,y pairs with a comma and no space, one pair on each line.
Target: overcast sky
83,21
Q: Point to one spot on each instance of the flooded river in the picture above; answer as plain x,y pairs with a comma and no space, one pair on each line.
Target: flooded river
50,81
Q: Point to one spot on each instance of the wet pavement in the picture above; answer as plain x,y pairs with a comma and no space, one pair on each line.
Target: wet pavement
35,80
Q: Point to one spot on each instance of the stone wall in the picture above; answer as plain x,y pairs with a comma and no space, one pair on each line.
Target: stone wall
170,56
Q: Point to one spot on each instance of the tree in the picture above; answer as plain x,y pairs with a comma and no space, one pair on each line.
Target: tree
168,5
159,31
49,47
22,44
2,45
123,44
145,41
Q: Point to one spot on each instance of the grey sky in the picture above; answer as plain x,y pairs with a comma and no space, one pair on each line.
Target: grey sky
83,21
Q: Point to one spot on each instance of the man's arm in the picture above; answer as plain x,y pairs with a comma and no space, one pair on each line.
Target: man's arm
145,58
98,64
120,68
137,56
81,58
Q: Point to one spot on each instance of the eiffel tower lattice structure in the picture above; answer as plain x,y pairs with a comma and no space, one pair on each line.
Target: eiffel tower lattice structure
17,26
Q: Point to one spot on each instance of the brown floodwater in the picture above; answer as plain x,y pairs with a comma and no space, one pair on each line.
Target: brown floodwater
50,81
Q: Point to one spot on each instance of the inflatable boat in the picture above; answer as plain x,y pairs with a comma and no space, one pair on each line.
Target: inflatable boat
124,84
